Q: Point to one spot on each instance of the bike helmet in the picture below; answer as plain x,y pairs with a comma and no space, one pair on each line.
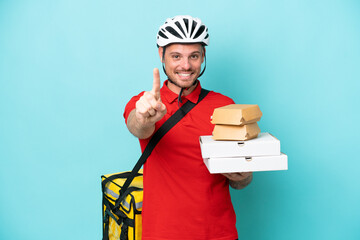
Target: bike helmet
182,29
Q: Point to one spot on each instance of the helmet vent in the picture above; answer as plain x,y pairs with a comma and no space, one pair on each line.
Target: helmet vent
162,35
186,21
200,31
173,32
180,27
193,27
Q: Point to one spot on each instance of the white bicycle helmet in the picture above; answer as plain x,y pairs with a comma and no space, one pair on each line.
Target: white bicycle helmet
182,29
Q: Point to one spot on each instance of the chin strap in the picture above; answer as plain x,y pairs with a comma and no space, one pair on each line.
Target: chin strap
202,72
179,97
182,90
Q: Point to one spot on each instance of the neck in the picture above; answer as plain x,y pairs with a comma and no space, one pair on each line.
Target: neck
176,89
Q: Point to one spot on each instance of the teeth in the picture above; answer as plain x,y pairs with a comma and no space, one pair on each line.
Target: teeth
184,74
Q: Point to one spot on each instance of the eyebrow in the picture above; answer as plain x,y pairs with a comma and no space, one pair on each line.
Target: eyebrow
190,53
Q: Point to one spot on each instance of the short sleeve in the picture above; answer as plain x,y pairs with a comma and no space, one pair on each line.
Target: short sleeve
131,105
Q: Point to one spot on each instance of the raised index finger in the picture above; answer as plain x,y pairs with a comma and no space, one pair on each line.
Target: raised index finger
156,84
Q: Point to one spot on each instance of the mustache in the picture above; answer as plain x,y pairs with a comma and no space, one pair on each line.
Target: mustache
185,71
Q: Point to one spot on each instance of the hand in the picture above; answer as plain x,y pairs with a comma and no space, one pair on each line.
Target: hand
149,108
239,180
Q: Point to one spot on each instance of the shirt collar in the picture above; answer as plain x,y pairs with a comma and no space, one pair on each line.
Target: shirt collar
170,96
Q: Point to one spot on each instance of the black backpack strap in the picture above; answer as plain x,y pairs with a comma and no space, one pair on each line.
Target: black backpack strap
172,121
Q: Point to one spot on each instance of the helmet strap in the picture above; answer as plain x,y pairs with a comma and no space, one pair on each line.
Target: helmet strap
179,97
162,59
202,72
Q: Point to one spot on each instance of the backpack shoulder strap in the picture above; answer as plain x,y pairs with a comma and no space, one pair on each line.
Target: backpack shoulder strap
171,122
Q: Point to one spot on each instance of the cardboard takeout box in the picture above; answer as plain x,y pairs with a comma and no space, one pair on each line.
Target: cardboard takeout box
236,114
264,145
247,164
238,133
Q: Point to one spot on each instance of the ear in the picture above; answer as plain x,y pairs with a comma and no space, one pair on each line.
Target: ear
161,49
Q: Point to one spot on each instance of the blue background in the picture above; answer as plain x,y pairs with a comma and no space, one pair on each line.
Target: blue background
67,69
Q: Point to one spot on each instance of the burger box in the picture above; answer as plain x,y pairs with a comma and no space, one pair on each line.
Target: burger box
236,114
232,132
264,145
246,164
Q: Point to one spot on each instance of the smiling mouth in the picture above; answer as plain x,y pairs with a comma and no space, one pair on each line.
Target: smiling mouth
184,75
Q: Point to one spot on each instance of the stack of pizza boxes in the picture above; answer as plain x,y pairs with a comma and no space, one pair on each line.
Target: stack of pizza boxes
238,145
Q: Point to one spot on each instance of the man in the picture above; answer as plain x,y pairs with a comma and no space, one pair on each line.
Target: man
182,200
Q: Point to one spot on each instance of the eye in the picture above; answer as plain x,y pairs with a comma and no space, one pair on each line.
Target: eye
175,56
195,56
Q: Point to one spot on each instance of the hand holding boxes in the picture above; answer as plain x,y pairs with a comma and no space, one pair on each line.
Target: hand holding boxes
236,124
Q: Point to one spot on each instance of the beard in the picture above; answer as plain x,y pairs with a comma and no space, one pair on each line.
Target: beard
182,86
175,79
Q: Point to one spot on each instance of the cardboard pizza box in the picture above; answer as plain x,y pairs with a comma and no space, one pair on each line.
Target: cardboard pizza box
236,114
264,145
236,133
247,164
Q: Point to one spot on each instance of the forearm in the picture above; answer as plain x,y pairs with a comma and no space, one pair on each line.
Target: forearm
139,130
242,183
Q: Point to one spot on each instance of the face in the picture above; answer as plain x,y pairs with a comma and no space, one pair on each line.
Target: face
182,63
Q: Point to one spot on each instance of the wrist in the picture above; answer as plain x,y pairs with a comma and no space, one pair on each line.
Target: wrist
241,183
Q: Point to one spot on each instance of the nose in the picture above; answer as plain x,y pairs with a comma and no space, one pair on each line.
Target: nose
185,64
